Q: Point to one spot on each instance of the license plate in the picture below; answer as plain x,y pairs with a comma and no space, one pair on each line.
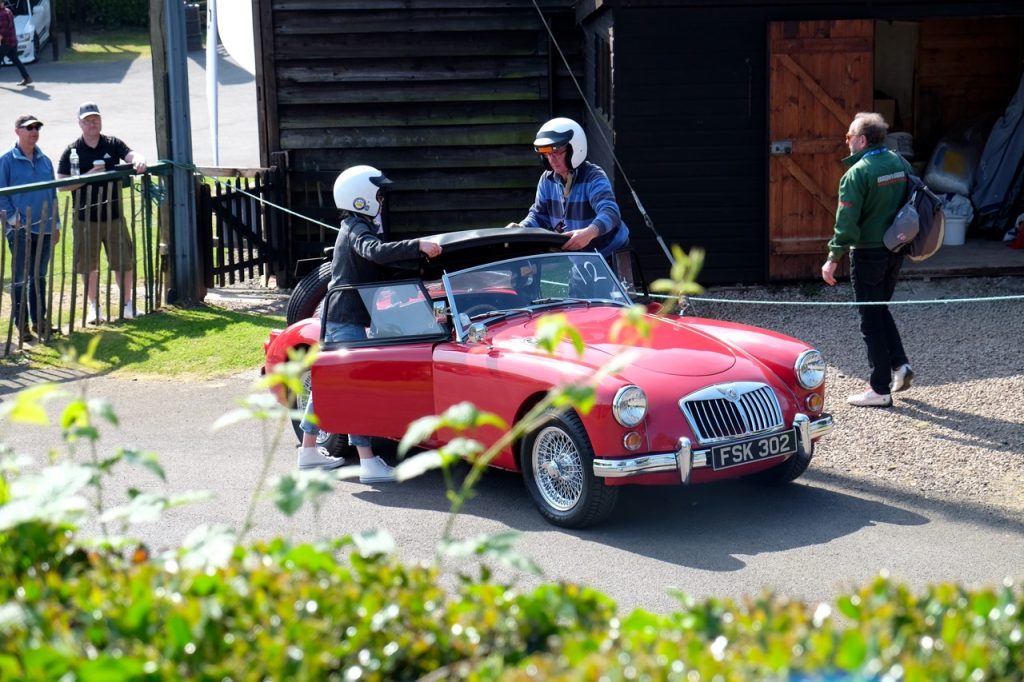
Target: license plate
753,450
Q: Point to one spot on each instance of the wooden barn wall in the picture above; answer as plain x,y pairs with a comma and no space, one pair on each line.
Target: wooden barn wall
443,95
690,103
691,89
967,69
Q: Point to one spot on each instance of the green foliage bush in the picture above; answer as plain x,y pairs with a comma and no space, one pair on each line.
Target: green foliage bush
108,14
278,611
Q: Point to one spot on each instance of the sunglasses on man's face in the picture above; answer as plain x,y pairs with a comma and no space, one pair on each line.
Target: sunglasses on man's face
549,149
32,127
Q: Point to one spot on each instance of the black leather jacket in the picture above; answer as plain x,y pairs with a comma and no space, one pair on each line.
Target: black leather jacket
358,252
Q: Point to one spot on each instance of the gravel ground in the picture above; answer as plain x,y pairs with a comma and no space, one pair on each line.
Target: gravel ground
957,435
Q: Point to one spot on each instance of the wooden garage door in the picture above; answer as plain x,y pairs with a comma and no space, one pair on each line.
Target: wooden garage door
822,74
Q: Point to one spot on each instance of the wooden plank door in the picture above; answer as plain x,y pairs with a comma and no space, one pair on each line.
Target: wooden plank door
821,74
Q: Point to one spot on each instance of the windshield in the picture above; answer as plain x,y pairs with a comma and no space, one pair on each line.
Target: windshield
532,284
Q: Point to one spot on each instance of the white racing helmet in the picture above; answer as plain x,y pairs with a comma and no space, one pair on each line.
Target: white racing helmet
356,189
561,132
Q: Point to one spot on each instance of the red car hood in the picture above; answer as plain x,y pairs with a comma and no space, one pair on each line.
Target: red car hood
672,347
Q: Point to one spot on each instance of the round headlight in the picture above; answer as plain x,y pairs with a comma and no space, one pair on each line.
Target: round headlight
630,405
810,369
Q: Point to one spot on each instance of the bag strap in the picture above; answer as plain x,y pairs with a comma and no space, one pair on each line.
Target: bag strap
912,186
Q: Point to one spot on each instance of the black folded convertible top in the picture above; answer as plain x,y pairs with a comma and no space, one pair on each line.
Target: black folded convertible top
468,248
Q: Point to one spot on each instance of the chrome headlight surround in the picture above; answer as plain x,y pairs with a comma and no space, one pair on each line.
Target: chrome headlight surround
810,369
629,405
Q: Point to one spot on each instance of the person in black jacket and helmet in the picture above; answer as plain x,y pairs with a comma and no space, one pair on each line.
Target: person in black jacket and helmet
358,250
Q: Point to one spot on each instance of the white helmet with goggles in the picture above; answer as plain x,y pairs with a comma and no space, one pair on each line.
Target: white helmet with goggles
562,132
356,190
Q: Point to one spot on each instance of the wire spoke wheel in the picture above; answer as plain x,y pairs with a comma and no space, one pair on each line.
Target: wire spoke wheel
558,468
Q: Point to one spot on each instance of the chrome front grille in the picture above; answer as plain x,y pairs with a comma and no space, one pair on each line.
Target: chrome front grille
727,411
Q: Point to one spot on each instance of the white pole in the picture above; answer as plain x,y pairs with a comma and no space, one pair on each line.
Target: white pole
211,77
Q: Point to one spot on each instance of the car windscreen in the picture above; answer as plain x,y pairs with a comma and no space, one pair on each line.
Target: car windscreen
533,284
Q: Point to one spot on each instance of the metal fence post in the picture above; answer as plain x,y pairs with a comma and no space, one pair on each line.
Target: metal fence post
186,284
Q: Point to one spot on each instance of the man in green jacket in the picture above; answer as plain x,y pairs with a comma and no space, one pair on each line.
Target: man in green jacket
871,192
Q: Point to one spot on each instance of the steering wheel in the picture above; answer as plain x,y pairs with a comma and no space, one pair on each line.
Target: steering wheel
480,309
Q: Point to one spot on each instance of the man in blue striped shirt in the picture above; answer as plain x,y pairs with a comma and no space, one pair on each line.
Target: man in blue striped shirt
574,195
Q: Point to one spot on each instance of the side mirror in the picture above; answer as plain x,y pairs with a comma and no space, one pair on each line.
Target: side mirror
440,309
476,333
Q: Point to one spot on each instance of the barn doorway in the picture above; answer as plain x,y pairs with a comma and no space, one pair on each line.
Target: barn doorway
940,82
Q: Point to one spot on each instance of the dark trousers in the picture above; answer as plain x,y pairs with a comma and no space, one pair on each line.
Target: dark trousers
11,52
874,273
30,259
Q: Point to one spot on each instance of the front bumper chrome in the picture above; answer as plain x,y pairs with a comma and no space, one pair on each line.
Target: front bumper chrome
686,459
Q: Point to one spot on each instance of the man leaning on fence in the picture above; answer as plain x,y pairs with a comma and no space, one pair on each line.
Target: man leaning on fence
30,225
98,216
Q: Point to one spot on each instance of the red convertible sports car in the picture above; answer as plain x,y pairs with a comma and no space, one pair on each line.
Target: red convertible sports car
699,400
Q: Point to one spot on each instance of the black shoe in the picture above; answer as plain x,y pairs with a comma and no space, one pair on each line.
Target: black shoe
27,80
43,332
25,336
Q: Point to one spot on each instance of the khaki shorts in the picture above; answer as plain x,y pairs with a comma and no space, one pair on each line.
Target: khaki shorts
114,237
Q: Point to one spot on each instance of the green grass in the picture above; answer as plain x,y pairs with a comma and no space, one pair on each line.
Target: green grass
107,46
188,343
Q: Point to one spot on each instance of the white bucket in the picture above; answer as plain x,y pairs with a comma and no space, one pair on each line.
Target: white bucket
955,230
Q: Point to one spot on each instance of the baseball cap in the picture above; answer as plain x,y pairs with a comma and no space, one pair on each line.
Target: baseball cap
26,120
88,109
903,229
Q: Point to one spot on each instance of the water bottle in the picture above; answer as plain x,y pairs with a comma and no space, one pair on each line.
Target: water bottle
74,162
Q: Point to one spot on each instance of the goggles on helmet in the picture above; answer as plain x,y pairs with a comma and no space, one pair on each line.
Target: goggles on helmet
549,148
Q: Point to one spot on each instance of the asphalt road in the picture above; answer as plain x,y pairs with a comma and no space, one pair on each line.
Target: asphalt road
124,91
812,540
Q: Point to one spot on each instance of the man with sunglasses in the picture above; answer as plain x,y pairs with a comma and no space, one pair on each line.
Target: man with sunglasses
574,195
31,226
871,192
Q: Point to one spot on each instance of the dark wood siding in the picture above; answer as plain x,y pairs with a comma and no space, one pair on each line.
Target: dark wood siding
443,95
690,120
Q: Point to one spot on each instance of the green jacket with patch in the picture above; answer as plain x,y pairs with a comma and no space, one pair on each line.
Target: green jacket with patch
871,192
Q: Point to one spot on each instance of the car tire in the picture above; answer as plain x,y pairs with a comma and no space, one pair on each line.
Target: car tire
308,294
558,469
787,472
333,444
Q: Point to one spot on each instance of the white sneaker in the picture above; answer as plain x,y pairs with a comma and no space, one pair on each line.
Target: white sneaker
901,377
313,458
93,315
375,470
870,399
129,311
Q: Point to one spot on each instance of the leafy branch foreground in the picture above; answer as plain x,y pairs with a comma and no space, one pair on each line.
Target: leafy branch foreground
103,608
278,612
